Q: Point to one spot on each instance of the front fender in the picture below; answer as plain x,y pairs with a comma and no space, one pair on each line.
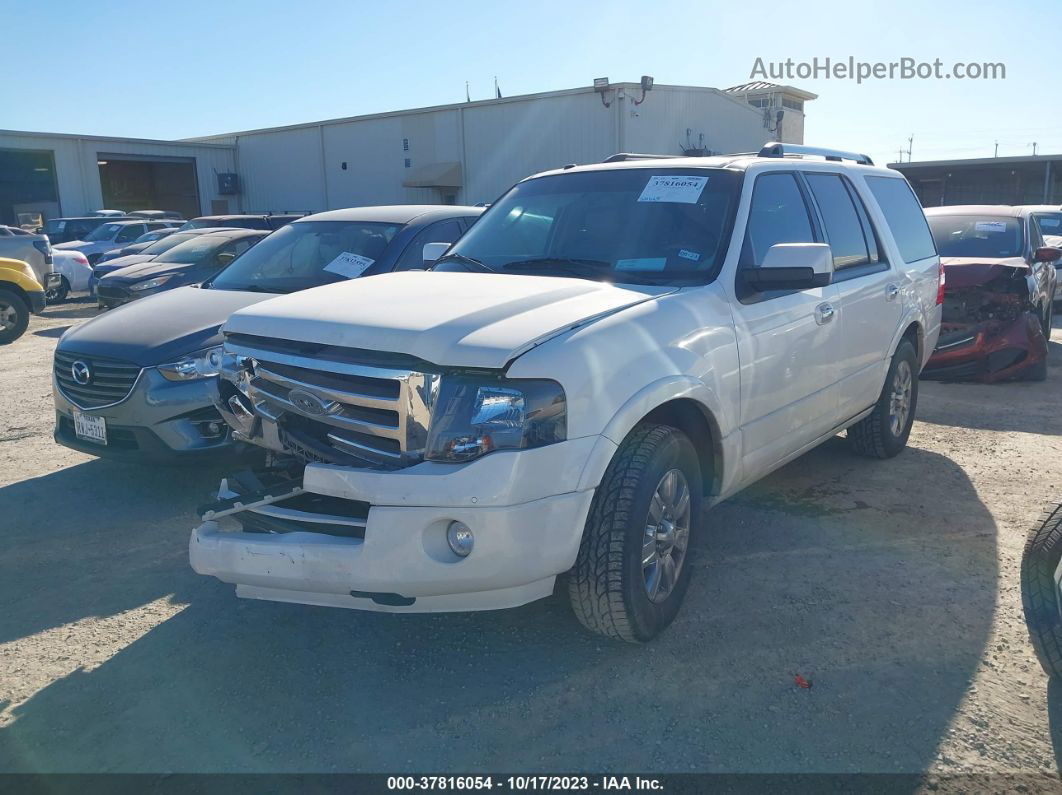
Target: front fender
650,397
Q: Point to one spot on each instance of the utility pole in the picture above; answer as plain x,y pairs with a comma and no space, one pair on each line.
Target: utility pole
1033,145
910,143
901,154
996,153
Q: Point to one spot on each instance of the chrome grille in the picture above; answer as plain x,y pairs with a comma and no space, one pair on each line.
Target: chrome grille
339,410
111,379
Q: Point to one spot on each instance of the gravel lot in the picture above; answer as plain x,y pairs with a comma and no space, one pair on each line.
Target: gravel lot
891,586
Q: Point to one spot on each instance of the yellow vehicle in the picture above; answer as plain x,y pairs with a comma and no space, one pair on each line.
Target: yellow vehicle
20,295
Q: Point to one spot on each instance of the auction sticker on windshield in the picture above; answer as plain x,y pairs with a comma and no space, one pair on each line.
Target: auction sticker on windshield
349,265
676,189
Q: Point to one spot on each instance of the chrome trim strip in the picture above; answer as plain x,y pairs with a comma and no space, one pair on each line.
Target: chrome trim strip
340,395
307,363
354,446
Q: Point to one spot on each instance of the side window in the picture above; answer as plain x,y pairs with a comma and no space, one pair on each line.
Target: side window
130,232
904,216
439,232
845,231
778,214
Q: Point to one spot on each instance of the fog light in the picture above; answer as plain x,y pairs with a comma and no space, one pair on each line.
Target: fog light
460,539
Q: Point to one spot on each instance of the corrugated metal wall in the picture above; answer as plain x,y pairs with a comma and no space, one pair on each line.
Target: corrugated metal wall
78,176
497,143
660,123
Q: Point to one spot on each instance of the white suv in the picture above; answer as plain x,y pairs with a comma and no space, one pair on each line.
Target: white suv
608,351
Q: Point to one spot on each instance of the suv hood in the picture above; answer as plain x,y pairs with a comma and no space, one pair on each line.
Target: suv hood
446,318
978,271
159,328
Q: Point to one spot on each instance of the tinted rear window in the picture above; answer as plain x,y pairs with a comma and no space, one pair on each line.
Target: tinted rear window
904,216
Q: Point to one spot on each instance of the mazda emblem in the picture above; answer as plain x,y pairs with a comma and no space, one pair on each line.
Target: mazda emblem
307,402
81,372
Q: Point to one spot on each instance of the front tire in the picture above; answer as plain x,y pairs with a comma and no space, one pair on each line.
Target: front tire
1040,592
14,317
883,433
632,571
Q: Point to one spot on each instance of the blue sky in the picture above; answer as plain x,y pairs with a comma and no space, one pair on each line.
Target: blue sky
196,68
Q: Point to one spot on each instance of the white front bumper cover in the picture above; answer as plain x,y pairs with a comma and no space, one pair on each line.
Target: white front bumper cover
404,564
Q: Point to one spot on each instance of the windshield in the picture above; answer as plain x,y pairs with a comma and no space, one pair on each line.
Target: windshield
308,254
977,235
647,226
168,242
190,251
103,232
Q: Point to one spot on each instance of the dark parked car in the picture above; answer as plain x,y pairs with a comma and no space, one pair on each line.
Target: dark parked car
63,230
157,359
270,222
999,289
159,247
139,244
191,262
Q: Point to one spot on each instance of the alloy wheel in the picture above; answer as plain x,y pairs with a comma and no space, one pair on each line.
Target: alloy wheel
666,536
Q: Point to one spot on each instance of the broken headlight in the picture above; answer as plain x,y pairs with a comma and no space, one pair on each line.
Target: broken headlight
202,364
475,416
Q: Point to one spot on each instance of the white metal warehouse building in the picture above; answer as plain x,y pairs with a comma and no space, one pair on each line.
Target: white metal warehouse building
462,153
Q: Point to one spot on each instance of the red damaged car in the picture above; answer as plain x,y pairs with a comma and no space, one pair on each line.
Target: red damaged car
999,288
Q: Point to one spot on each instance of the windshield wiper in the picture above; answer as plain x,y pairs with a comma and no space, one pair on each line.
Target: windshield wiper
572,266
463,259
253,288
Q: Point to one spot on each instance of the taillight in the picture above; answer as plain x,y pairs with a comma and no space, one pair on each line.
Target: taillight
80,258
45,249
940,285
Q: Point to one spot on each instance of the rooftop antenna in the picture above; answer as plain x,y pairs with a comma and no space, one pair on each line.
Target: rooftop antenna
996,153
468,97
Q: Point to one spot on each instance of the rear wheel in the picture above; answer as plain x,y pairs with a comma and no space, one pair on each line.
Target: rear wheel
14,317
57,295
883,433
632,571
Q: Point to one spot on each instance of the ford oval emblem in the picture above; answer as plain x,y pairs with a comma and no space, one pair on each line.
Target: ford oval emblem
81,372
307,402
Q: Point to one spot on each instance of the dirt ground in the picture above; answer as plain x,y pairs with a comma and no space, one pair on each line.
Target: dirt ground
891,586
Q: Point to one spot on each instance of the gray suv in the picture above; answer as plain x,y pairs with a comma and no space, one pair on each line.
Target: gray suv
138,382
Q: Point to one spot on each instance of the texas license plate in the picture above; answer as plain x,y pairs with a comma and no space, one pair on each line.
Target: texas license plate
90,428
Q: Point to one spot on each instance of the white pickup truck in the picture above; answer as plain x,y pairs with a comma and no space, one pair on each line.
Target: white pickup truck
609,350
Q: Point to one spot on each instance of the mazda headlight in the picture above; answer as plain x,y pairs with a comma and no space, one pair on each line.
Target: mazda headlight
202,364
475,416
151,284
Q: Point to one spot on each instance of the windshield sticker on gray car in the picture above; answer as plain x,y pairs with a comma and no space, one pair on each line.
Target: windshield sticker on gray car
690,255
991,226
349,265
676,189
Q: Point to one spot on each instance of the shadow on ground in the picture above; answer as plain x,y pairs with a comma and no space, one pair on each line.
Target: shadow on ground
874,580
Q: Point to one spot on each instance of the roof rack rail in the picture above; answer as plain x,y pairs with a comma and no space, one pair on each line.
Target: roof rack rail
619,157
775,149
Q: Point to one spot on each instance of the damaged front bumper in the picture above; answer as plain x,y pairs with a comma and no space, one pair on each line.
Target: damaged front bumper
371,540
989,351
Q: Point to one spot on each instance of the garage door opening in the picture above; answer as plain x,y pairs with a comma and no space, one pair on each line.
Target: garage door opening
27,187
149,183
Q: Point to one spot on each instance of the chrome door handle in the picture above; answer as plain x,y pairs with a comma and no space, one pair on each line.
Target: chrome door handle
824,314
891,292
